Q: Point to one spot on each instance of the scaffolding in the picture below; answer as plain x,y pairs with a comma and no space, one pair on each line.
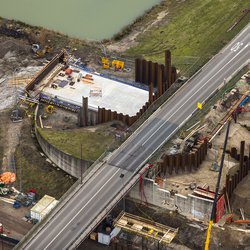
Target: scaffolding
146,228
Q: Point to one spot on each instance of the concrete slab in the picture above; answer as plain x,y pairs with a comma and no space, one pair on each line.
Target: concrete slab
103,92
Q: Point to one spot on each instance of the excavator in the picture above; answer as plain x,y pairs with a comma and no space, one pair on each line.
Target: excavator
39,51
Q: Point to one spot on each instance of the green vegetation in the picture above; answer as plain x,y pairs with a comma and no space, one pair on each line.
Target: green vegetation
39,174
36,172
94,143
195,31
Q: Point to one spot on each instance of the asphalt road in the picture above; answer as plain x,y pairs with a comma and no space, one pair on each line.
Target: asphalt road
82,211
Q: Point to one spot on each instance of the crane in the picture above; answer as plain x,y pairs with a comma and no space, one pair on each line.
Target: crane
213,213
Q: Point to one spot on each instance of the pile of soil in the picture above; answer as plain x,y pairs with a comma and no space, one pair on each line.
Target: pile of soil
241,196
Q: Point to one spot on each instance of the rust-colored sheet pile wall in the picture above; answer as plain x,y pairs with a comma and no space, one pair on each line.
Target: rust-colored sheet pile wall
177,163
232,180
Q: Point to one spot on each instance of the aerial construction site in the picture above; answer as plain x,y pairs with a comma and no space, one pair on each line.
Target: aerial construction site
127,143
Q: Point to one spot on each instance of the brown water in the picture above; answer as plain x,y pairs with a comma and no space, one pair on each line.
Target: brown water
90,19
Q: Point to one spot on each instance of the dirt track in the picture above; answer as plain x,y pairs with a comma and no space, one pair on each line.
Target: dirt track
11,219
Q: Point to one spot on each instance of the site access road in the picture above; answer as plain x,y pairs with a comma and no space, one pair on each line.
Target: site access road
82,212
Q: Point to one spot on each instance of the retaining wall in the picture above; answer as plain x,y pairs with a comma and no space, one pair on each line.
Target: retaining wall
180,163
105,115
66,162
153,75
232,180
162,76
45,70
189,205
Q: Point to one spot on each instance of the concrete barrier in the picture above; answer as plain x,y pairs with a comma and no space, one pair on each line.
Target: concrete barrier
190,205
66,162
70,164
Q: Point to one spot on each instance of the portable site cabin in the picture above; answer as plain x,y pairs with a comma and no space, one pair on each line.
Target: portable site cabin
43,207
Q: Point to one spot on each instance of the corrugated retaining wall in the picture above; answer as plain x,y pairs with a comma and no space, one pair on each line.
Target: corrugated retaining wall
105,115
152,74
45,70
170,164
66,162
232,180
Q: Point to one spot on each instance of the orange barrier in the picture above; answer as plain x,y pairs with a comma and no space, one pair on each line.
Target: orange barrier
8,177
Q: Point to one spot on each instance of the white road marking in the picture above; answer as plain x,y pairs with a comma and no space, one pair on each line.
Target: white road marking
194,94
83,207
154,131
236,46
228,46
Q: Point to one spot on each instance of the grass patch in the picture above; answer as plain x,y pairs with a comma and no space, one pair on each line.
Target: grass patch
94,143
4,116
199,115
38,174
196,30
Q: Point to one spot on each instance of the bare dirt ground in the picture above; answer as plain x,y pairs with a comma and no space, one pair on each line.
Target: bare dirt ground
15,62
12,134
200,177
191,234
241,197
16,53
11,218
238,132
60,119
17,66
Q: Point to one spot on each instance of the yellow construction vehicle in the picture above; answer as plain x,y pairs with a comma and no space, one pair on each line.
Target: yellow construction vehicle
119,65
49,109
44,51
105,63
40,52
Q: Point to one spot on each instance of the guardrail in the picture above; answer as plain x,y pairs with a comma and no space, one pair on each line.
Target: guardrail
95,167
91,171
116,199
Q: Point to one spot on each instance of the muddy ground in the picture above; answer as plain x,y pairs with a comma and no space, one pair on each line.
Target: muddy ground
17,143
191,234
37,172
16,137
12,219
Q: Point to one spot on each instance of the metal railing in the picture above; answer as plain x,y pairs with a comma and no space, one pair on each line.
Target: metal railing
92,170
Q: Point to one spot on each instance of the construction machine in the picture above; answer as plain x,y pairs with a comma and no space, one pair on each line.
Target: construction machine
119,65
213,212
105,63
49,109
39,51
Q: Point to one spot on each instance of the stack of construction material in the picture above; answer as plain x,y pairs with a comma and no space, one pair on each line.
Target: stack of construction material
26,199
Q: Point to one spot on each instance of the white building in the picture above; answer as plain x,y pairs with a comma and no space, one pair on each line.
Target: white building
43,207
